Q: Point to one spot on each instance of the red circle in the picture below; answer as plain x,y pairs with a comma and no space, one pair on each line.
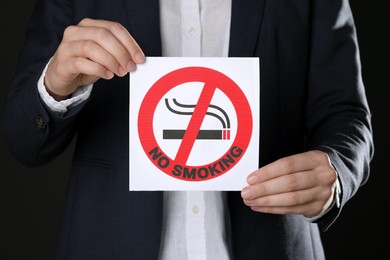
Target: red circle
194,74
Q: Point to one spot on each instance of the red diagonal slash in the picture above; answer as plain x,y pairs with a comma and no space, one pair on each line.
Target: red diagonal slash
195,124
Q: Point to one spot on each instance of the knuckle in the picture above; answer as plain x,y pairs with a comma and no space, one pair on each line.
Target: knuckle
261,190
77,63
320,156
69,31
100,33
85,21
287,164
87,46
331,176
328,176
61,53
115,26
292,182
124,55
293,199
265,202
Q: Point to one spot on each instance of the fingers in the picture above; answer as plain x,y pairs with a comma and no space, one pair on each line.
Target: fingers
91,50
90,54
112,38
282,200
283,184
88,67
121,34
300,184
298,162
309,202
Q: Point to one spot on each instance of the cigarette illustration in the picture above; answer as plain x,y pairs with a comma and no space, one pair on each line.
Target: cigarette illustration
187,110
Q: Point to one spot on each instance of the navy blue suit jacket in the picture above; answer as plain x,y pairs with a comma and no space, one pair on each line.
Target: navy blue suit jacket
312,97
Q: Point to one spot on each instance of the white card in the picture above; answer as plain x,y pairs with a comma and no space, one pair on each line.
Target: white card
194,123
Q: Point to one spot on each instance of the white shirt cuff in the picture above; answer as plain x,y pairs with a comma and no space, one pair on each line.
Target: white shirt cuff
61,107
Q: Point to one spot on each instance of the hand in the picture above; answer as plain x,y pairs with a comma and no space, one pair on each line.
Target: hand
91,50
299,184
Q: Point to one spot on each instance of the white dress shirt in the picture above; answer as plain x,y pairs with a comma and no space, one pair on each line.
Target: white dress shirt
194,221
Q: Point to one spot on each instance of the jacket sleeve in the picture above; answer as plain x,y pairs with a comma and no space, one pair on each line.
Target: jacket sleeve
34,135
337,114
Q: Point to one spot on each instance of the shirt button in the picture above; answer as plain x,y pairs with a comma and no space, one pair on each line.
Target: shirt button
195,210
191,31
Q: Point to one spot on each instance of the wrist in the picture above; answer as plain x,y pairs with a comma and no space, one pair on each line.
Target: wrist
53,94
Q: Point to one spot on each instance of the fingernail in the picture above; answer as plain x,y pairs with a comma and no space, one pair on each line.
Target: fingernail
130,66
246,193
121,71
109,74
139,57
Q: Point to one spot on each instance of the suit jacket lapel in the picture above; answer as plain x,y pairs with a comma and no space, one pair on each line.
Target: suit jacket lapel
144,25
245,27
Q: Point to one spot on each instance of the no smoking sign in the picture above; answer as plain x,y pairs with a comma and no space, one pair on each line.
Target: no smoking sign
194,123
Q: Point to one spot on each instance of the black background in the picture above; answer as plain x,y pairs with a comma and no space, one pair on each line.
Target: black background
31,200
